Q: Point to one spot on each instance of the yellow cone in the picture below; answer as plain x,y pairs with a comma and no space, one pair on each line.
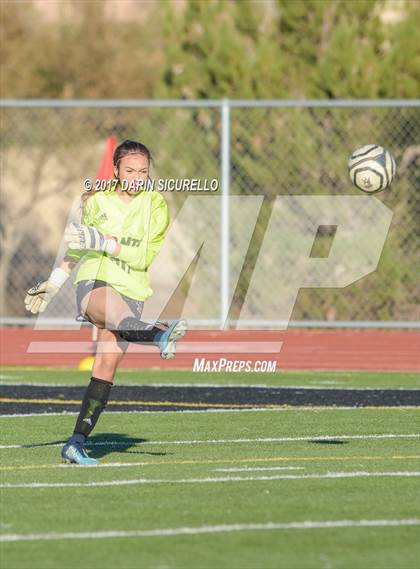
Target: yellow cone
86,363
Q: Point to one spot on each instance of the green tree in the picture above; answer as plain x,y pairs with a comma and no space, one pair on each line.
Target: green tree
293,48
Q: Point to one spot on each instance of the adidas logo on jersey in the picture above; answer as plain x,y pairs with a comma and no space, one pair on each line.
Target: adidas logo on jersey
103,217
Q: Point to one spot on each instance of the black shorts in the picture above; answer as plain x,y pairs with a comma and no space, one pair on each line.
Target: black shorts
84,287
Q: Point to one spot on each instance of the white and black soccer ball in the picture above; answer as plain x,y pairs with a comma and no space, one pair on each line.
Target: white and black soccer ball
371,168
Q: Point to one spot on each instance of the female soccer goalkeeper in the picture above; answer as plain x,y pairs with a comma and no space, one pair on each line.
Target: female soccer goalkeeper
122,231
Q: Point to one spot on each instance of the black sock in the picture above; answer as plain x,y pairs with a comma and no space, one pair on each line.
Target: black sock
77,438
94,402
133,330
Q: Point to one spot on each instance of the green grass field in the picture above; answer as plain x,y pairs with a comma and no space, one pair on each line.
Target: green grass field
321,379
219,489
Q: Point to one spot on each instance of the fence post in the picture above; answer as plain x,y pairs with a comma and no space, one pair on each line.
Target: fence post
224,212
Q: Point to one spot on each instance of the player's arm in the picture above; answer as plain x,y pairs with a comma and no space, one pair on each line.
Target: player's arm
86,237
39,296
80,237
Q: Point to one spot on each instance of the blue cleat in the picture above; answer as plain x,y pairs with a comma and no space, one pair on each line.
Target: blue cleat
75,453
168,339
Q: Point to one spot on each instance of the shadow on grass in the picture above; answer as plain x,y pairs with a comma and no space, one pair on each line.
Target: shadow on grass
328,442
107,443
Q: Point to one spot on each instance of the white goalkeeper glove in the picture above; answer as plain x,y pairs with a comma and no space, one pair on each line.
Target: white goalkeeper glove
87,237
40,295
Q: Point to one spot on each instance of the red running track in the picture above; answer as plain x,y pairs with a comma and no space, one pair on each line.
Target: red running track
376,350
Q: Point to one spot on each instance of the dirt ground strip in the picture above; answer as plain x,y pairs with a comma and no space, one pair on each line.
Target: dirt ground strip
18,399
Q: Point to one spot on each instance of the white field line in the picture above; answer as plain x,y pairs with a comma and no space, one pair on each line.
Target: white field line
137,481
261,468
293,408
61,465
227,441
4,376
166,532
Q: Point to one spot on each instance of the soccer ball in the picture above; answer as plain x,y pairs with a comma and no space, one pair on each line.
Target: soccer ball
371,168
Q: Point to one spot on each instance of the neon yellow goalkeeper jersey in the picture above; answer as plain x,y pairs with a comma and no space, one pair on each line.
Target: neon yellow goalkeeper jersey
139,225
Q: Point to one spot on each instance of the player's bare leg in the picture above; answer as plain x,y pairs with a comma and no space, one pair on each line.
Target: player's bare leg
109,354
107,309
117,324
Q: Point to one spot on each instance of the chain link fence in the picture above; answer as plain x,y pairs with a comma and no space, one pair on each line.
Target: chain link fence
273,150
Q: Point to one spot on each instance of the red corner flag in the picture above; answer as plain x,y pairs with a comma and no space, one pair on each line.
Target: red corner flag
106,168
